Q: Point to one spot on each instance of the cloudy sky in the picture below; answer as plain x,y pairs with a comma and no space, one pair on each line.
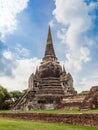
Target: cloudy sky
23,34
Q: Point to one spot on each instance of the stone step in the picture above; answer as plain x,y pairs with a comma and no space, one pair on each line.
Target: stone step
48,95
50,92
54,81
50,78
50,87
50,84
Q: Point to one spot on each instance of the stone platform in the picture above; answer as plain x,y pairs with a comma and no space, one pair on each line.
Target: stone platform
76,119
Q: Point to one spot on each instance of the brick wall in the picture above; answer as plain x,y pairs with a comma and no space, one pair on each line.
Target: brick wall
78,119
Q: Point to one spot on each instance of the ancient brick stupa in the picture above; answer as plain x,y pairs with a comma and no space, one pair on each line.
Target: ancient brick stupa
50,83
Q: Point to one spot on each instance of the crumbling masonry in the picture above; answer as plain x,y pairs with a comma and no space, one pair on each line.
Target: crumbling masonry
52,88
50,83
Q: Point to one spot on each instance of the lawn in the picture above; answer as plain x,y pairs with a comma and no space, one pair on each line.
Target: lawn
54,111
12,124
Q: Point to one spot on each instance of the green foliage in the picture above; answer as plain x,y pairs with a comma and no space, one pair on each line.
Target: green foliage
4,97
84,92
12,124
16,94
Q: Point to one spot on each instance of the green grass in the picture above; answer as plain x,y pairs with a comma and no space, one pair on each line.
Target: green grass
55,111
12,124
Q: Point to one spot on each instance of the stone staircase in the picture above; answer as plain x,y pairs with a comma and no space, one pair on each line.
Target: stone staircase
49,87
48,93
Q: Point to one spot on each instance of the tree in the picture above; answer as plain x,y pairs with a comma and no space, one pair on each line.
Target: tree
7,99
4,98
16,94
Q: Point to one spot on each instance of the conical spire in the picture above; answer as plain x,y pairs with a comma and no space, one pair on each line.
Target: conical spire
64,71
36,72
49,51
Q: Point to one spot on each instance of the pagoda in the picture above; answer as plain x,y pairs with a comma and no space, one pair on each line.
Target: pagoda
49,84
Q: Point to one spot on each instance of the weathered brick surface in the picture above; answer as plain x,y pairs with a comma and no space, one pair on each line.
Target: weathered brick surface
78,119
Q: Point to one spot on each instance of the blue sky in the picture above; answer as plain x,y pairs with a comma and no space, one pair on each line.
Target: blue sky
23,33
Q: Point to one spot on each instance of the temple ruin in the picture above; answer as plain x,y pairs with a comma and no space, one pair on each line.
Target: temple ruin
50,83
51,87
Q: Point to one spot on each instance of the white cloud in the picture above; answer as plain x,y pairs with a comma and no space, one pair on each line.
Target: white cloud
84,54
15,68
74,15
87,82
51,23
20,74
21,52
7,54
8,15
75,19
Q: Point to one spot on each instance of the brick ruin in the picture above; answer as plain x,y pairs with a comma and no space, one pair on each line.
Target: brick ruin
81,101
52,88
91,99
90,119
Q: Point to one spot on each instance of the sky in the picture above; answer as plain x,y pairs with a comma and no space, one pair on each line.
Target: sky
23,33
